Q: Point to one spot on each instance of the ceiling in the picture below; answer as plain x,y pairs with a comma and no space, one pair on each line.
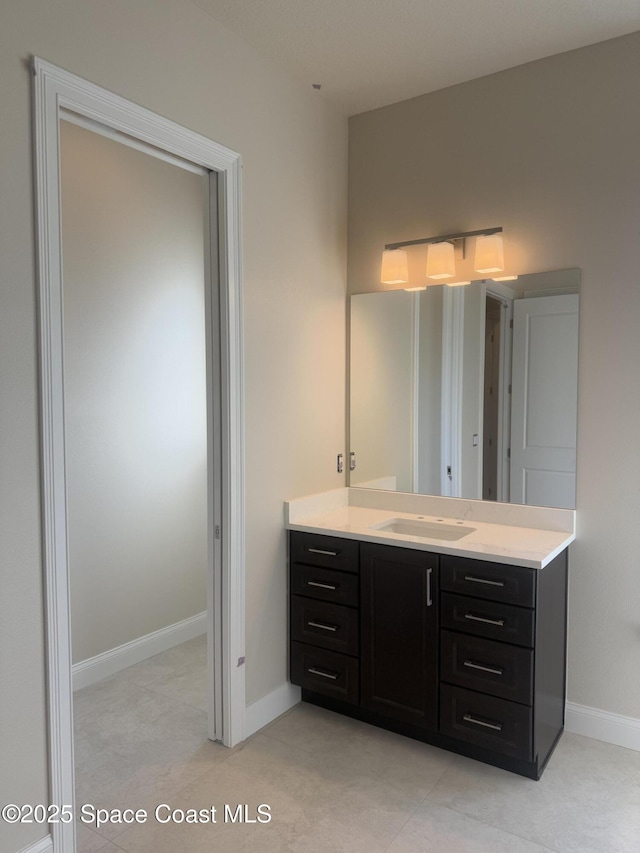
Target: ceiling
369,53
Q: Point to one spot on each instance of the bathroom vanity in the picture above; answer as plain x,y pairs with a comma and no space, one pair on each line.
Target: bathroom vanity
448,626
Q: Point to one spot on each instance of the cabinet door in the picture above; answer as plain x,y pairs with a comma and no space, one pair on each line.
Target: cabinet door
399,633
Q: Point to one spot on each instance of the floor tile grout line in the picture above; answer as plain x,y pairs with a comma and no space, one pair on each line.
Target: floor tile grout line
413,813
499,828
454,761
194,781
457,760
402,828
115,844
311,752
265,732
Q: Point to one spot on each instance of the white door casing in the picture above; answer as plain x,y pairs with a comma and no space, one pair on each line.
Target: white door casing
544,404
58,92
452,383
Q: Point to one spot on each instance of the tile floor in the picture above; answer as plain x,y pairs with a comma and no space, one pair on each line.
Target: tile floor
332,784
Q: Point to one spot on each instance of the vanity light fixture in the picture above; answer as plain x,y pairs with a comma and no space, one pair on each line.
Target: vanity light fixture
440,260
456,283
489,253
441,256
506,278
395,267
414,289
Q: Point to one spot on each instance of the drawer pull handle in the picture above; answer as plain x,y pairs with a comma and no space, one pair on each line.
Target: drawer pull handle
474,579
494,670
322,585
472,618
323,626
497,727
324,553
315,671
429,598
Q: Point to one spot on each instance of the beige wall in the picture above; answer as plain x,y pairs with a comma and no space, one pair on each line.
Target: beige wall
549,151
133,231
173,58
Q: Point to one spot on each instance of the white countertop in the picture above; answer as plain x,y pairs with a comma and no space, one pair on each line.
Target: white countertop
338,514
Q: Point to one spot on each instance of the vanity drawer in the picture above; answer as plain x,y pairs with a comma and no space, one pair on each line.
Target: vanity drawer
484,665
331,626
494,581
315,549
490,619
325,584
325,672
485,721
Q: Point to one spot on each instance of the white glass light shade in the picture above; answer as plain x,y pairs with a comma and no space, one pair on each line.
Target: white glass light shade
414,289
440,261
456,283
395,269
489,253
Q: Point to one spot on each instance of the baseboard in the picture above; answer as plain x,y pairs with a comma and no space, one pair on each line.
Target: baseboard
603,725
265,710
101,666
45,845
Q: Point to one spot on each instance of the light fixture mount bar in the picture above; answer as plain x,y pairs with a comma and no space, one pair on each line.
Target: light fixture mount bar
484,232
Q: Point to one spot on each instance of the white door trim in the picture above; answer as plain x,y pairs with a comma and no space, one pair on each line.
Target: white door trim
415,391
451,395
57,90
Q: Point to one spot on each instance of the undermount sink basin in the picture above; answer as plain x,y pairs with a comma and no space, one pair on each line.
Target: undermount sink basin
425,529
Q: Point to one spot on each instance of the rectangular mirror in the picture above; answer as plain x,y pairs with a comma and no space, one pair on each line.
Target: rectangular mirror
467,391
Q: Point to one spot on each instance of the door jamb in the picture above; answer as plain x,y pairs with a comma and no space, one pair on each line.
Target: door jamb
451,393
506,296
57,90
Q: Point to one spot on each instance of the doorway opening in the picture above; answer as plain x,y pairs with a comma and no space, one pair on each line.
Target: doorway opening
135,238
491,399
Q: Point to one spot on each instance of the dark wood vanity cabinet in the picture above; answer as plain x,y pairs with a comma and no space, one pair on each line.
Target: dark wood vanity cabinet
502,659
465,654
399,633
325,615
